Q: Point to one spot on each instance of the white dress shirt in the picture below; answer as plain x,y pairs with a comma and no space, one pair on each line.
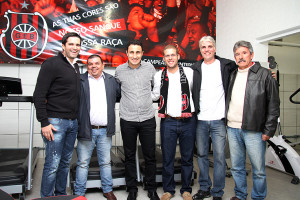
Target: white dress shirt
98,109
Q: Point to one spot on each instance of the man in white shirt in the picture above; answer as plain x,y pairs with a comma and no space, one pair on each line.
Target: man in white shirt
98,95
211,77
173,87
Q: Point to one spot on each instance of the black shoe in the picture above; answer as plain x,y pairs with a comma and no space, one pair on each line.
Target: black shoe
132,196
153,195
234,198
201,195
217,198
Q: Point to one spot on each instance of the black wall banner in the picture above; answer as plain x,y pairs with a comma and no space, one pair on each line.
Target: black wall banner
31,30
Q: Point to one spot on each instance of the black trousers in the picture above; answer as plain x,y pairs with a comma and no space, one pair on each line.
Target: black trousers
146,132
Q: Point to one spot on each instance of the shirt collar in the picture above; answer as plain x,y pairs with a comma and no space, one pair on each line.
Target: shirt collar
101,76
74,61
134,68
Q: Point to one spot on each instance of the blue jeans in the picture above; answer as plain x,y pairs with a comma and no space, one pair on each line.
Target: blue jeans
171,129
217,131
84,152
241,141
58,156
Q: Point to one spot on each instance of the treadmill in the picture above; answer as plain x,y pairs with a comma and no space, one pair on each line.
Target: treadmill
16,165
159,165
94,179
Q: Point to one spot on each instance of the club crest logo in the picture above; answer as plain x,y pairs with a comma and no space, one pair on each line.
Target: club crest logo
26,35
184,101
161,102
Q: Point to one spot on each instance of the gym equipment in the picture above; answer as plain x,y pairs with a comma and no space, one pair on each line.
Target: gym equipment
17,165
4,195
94,179
280,154
159,164
121,153
14,170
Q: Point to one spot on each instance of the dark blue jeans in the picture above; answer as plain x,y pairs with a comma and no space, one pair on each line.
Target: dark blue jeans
172,129
58,156
146,132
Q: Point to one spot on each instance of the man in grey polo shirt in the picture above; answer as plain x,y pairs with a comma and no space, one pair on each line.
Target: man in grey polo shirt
137,118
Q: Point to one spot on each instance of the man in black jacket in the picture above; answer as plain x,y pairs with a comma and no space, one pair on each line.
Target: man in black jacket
211,77
98,94
56,98
252,111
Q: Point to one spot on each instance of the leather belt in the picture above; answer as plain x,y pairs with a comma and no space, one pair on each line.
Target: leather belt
98,127
177,118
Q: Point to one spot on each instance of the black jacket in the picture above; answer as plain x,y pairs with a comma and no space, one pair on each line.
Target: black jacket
261,102
112,94
227,66
57,90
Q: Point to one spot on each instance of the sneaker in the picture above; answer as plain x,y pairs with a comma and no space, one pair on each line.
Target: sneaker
187,196
166,196
217,198
201,195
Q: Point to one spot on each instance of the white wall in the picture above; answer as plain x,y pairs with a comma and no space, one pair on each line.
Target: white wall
254,21
15,117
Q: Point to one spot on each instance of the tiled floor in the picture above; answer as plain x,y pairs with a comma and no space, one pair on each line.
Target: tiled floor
279,187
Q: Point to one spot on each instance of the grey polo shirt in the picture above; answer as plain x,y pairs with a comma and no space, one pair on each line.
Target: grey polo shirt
136,84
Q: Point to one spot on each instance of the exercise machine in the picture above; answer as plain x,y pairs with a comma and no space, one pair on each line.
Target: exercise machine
16,165
94,179
159,166
281,155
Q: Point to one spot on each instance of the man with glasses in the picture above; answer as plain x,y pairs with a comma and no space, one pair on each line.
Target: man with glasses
172,86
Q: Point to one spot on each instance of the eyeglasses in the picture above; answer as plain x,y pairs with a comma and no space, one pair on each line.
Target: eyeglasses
170,55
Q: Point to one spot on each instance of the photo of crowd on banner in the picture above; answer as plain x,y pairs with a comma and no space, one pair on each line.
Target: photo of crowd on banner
156,23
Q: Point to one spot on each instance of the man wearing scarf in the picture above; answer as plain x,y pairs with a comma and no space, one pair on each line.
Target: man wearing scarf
172,86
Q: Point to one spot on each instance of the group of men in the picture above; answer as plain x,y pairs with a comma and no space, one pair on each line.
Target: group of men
195,104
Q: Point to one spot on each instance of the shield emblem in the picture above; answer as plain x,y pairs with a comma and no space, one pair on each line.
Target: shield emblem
184,101
26,35
161,102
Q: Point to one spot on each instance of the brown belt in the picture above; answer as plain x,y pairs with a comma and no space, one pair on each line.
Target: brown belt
177,118
98,127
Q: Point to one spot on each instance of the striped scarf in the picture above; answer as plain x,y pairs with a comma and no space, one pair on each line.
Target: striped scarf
185,94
